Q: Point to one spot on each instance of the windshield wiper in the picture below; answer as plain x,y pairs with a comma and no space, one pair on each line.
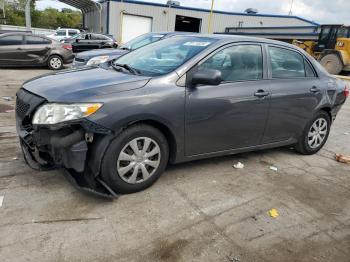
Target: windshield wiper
134,71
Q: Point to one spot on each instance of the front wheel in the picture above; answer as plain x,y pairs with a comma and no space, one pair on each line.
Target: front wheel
315,134
332,64
135,159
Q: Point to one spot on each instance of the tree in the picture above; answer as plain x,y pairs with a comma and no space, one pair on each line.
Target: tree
49,18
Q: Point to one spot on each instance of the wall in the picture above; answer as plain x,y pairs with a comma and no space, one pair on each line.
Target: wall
164,18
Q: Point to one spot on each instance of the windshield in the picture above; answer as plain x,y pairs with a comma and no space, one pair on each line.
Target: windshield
164,56
142,40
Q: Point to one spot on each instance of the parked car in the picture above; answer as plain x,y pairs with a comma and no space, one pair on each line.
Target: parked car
26,49
96,57
63,33
180,99
88,41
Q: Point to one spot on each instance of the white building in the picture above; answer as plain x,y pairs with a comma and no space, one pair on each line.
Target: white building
128,18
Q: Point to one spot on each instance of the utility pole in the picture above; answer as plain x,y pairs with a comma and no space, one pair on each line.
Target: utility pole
28,18
210,17
3,10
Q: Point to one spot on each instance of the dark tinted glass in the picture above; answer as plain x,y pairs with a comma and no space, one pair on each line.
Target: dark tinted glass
11,40
36,40
286,63
243,62
72,32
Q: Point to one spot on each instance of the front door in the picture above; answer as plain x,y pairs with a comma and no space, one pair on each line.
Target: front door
11,50
233,114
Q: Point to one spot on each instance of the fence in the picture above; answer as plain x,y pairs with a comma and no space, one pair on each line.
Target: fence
23,28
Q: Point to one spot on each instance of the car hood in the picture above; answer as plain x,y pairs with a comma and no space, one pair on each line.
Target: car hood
99,52
81,85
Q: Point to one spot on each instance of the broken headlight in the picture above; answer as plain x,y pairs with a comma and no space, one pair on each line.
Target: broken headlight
54,113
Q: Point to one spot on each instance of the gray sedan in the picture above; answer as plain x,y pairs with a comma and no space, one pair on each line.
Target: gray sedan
114,130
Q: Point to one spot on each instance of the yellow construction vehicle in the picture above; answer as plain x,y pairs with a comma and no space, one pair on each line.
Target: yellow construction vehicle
332,49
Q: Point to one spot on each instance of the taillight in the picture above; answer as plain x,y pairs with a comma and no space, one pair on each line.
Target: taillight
346,91
68,47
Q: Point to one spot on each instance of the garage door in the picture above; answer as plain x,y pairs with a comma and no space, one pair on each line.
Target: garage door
134,26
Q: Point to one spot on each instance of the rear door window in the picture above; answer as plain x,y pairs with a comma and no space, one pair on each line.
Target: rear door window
72,32
286,63
36,40
309,70
11,40
237,63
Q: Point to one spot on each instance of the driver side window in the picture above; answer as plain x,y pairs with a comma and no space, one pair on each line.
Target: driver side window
237,63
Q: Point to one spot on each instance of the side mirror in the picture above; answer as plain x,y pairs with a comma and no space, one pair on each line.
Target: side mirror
207,77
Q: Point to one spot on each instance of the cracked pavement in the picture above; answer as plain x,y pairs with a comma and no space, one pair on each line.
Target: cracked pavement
200,211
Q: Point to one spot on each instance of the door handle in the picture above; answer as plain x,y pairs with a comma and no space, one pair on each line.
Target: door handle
314,89
261,93
19,48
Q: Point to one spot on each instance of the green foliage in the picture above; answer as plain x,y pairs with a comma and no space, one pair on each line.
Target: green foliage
49,18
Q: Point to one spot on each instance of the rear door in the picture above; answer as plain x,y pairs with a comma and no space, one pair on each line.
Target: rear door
36,49
233,114
295,90
11,50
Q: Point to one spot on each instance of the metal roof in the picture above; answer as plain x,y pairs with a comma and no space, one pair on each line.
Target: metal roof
84,5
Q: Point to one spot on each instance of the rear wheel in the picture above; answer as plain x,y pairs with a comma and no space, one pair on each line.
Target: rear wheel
315,134
135,159
332,64
55,62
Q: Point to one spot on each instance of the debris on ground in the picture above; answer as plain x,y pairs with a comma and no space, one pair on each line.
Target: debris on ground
15,158
7,98
273,213
342,158
273,168
238,165
231,258
1,200
346,133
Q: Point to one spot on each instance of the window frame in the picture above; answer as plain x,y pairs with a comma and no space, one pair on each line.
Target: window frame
305,60
263,55
49,41
23,41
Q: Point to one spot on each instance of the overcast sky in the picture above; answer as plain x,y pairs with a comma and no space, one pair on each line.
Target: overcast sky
320,11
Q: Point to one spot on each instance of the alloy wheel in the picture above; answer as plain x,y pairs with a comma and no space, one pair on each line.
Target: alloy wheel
317,132
138,160
55,63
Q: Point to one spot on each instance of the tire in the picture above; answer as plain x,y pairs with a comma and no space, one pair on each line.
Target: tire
332,64
55,62
120,163
305,145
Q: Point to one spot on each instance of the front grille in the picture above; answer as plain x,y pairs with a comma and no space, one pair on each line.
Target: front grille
21,107
26,103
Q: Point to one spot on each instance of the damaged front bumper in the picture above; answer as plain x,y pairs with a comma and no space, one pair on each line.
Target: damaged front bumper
71,146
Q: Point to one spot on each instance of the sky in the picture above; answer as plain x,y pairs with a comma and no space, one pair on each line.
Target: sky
320,11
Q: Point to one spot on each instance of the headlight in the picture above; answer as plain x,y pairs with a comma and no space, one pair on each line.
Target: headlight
53,113
97,60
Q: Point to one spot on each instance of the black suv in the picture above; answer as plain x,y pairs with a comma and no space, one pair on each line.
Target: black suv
114,130
27,49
